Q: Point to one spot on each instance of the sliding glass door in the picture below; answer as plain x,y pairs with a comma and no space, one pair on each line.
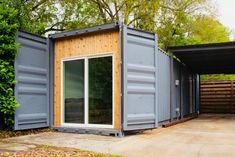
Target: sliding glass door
74,91
88,91
100,90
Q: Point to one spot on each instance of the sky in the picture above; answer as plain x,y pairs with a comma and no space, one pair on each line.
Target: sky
226,14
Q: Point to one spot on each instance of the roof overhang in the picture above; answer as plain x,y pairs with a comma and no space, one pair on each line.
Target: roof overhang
218,58
99,28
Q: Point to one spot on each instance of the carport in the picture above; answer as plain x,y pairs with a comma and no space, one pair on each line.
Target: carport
216,58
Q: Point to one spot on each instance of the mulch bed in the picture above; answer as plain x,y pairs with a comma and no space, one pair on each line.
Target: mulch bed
8,134
48,151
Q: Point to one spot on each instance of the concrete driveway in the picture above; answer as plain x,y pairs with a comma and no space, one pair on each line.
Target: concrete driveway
206,136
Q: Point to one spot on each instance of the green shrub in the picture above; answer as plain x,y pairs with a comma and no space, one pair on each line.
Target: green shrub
8,50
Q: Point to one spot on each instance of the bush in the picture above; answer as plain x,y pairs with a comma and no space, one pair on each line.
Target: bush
8,50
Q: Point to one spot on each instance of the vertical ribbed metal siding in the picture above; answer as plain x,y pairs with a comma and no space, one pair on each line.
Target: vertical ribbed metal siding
32,88
163,86
185,81
194,93
140,80
176,89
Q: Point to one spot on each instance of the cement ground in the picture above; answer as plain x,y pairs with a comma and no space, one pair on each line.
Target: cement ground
206,136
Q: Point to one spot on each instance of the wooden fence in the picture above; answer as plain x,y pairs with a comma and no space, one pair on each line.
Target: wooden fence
217,97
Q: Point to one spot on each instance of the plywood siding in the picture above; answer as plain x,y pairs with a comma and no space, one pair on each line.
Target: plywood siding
87,45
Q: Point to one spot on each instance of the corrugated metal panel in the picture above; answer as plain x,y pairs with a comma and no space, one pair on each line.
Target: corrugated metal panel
185,87
194,83
32,88
176,88
140,81
163,86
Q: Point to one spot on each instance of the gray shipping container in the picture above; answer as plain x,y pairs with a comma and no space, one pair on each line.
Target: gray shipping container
145,81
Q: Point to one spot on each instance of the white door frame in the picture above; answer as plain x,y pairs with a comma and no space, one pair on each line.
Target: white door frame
86,92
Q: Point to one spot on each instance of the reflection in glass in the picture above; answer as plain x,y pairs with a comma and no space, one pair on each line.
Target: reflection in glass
74,91
100,90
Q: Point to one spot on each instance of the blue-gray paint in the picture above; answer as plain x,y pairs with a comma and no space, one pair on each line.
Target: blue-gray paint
32,88
195,93
185,74
121,73
50,51
145,82
140,67
163,86
93,29
176,88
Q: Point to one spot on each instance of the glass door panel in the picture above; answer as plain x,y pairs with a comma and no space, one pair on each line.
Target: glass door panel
100,90
74,91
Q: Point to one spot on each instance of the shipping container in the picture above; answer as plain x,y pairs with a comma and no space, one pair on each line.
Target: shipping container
106,79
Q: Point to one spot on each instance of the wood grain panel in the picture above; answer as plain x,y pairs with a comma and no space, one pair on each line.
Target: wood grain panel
99,43
217,97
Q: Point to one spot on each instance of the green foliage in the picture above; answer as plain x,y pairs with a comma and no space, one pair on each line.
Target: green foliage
177,22
85,14
35,15
217,77
8,50
205,29
186,22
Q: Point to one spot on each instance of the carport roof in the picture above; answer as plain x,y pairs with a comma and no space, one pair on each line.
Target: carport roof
217,58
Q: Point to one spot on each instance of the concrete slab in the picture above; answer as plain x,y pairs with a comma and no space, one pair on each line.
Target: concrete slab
15,147
206,136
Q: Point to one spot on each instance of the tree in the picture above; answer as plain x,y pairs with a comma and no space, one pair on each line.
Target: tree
176,18
217,77
136,13
35,15
206,29
177,22
8,50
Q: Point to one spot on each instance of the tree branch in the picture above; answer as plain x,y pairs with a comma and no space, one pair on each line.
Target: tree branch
101,10
54,29
107,9
133,20
39,4
118,9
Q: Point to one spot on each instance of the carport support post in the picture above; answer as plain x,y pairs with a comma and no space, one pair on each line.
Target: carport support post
197,93
172,86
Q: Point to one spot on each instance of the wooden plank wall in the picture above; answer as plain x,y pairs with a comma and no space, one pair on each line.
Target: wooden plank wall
217,97
99,43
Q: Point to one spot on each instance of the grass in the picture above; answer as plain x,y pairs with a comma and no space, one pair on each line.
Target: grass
49,151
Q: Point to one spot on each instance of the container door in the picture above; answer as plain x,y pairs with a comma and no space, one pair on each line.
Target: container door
32,88
163,86
139,80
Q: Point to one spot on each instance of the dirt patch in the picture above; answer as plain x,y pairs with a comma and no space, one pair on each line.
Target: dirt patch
48,151
8,134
